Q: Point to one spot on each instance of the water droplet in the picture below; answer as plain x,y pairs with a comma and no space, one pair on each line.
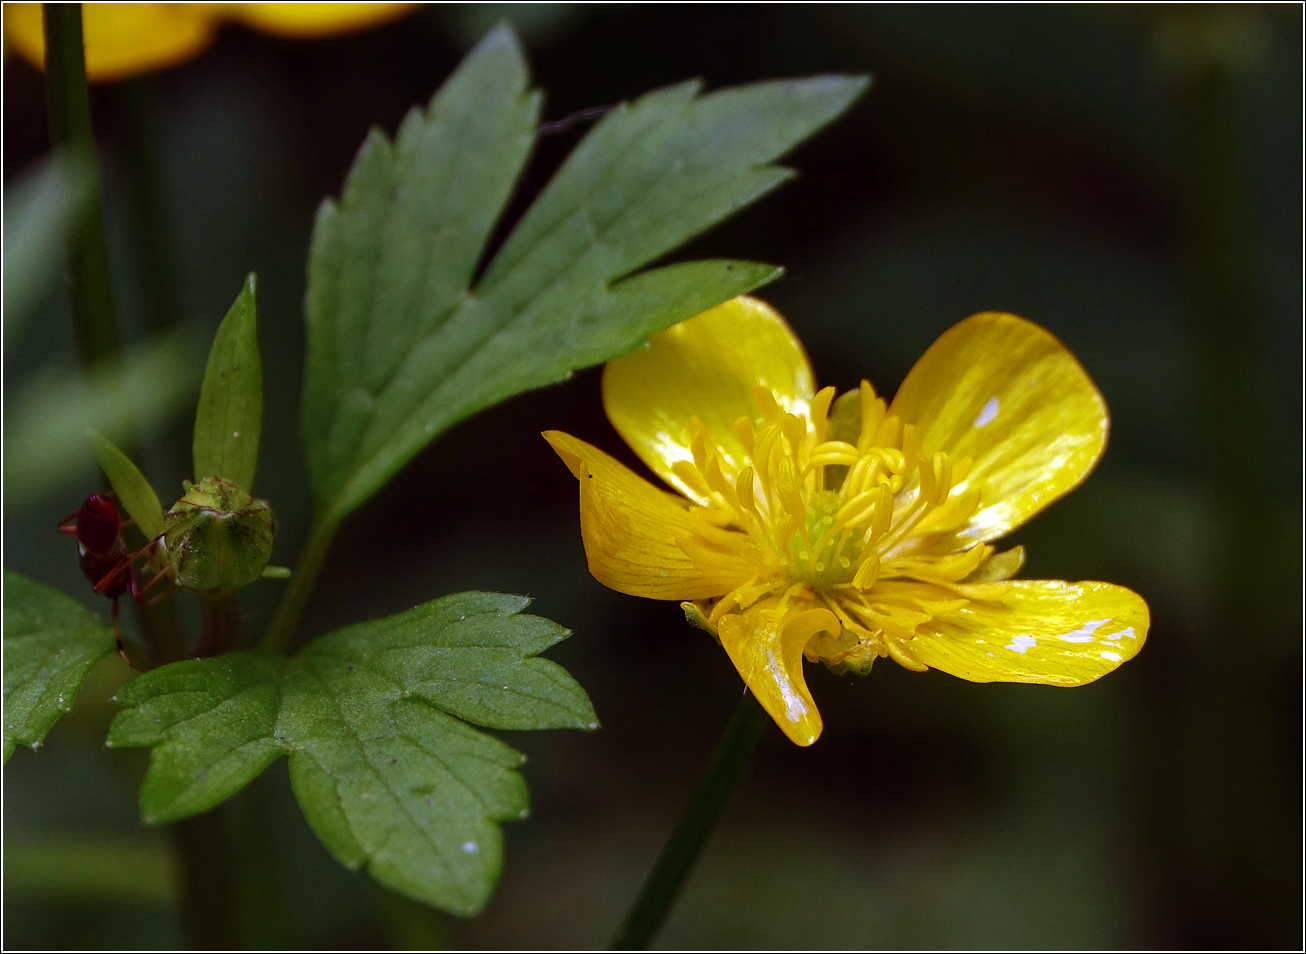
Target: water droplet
235,433
469,846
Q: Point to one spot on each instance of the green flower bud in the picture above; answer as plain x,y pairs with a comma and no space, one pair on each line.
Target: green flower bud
218,535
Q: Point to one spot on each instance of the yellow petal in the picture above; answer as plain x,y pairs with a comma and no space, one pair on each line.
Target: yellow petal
121,39
766,642
706,367
1043,631
1008,395
308,20
636,535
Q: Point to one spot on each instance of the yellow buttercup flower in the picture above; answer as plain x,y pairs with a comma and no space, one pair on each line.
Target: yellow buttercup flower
842,531
124,39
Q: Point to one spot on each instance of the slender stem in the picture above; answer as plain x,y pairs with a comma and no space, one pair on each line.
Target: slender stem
200,844
69,104
695,825
220,623
1238,812
301,586
153,260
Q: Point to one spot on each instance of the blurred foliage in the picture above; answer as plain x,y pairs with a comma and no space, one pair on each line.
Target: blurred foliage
1032,159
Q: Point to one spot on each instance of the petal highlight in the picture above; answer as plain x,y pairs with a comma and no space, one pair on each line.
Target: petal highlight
766,642
1040,631
636,536
1009,396
707,367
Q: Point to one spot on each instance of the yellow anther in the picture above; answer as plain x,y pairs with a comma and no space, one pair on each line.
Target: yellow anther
766,403
911,444
882,515
859,508
744,491
872,414
691,477
867,572
888,433
820,412
795,431
743,428
698,443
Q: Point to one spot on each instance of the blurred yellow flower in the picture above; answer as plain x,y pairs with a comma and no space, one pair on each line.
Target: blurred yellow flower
843,531
124,39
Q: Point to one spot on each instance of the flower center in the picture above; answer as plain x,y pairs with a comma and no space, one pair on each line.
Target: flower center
843,503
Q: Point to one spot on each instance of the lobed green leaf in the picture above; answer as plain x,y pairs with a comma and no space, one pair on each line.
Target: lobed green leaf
401,345
230,413
383,764
51,641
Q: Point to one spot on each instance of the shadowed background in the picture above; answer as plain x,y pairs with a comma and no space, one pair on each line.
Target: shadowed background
1130,178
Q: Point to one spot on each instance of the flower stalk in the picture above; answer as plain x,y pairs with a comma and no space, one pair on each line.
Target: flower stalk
220,625
199,844
696,823
68,101
296,596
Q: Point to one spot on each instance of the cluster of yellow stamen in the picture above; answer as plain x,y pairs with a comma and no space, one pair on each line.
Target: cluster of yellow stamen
843,511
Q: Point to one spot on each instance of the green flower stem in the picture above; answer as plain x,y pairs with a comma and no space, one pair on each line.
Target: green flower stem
1209,55
202,845
145,192
155,272
220,624
695,825
68,101
199,844
301,586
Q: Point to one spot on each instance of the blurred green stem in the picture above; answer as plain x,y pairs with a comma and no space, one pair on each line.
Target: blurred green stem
148,214
696,823
1208,53
155,276
202,845
220,623
199,843
68,101
301,586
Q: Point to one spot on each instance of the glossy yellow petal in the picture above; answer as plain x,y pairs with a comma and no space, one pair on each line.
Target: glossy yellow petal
121,39
707,367
308,20
1042,631
766,642
636,535
1008,395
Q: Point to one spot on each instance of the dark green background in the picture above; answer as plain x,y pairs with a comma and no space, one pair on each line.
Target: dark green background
1128,177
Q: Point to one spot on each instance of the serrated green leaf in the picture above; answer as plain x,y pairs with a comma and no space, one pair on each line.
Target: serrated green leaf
230,412
133,490
384,768
50,643
401,347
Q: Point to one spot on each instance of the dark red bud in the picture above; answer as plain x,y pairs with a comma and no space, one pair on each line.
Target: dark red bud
98,524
